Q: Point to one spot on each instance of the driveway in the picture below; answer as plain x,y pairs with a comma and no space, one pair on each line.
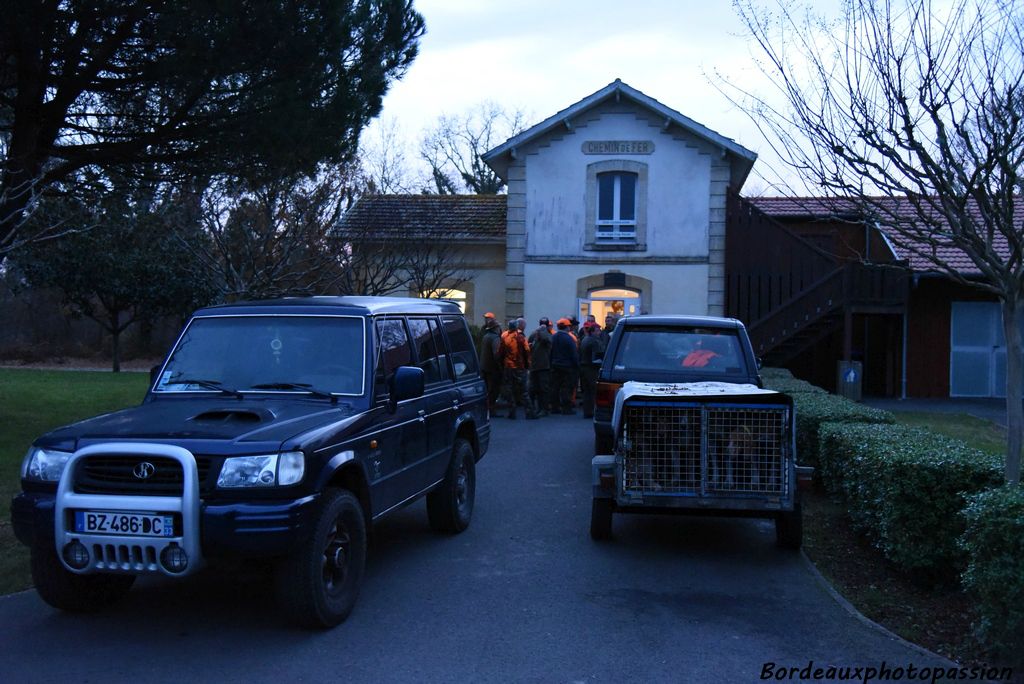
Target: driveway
523,595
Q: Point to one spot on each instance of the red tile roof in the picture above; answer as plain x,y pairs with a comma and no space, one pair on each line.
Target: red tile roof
464,218
889,210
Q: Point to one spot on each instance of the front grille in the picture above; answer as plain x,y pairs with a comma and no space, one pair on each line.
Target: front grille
115,474
704,450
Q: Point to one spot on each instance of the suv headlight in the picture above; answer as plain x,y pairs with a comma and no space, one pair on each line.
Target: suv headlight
262,471
44,465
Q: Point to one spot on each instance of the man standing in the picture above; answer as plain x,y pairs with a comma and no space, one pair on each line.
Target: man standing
540,367
591,351
565,363
515,355
490,364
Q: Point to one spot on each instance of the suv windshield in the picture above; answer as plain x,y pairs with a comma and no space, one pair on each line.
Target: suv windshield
268,354
675,350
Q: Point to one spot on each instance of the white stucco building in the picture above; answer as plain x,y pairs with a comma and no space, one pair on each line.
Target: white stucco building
615,204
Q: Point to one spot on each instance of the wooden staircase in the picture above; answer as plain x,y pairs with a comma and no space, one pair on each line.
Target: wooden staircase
791,294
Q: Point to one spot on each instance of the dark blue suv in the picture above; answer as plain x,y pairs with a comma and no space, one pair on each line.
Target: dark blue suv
275,430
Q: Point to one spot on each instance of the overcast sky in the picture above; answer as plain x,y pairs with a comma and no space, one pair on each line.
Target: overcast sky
542,55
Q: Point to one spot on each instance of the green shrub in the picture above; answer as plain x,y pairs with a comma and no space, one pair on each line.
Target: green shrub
793,386
994,543
905,488
814,409
782,373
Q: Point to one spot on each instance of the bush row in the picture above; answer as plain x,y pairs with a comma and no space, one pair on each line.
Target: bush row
905,488
773,373
793,386
930,503
994,544
813,410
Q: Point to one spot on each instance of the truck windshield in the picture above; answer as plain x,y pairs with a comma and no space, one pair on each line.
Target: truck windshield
675,350
270,354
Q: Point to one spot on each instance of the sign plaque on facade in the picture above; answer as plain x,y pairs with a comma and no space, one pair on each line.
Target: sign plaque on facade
618,147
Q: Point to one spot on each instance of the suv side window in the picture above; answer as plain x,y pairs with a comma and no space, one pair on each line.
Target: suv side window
463,352
426,336
393,351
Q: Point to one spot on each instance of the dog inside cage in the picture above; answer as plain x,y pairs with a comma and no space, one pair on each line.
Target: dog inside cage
662,447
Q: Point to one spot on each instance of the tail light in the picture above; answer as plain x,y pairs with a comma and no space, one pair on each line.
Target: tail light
605,395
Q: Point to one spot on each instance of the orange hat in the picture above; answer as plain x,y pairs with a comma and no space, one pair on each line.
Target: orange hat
488,315
564,321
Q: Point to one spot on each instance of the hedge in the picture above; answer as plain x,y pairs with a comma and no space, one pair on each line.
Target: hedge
905,488
772,373
994,543
814,409
793,386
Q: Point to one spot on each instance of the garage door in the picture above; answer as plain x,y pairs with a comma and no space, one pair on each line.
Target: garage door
977,364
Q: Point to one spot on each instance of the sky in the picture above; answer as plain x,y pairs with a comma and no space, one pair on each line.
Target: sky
540,56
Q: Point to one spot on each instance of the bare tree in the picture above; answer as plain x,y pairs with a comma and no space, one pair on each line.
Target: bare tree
275,240
914,112
385,165
435,267
453,148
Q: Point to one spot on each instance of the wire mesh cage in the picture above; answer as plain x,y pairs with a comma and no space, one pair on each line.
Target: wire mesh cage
744,450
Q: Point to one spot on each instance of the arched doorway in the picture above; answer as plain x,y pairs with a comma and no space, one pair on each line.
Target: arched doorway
617,301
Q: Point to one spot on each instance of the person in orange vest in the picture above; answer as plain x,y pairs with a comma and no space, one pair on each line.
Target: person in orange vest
515,356
704,354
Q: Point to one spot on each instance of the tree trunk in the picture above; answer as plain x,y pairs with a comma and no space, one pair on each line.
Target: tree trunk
116,349
1014,387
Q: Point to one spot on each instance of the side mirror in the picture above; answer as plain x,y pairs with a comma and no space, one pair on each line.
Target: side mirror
760,363
406,383
153,373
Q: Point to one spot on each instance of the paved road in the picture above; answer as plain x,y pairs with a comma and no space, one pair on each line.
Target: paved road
523,595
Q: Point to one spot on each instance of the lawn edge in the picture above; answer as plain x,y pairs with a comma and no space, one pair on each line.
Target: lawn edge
852,610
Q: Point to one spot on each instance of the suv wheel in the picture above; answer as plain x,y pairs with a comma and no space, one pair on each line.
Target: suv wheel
789,528
318,585
74,593
450,506
601,519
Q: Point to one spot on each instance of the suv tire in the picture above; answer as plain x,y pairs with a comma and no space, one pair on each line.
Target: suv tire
74,593
318,585
789,528
601,519
450,506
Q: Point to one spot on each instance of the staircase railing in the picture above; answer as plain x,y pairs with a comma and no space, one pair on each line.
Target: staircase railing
803,310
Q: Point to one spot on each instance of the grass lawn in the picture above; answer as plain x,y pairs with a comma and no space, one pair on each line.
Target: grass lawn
31,403
938,618
977,432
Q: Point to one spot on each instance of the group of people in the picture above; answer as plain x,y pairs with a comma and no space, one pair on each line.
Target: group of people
542,372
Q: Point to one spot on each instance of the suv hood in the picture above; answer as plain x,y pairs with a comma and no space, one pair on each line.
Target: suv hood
225,421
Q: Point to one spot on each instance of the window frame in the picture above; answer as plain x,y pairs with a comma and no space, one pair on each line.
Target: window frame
611,230
638,241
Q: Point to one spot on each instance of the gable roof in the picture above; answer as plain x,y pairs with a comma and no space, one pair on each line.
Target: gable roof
461,218
913,251
743,159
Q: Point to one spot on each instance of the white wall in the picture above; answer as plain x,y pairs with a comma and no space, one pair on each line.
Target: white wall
678,185
678,289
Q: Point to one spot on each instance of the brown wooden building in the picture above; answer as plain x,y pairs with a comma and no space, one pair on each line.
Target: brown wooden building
817,286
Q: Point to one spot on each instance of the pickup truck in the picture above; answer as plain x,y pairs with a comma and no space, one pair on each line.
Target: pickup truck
683,425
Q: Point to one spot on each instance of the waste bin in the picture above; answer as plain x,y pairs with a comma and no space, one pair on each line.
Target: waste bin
848,379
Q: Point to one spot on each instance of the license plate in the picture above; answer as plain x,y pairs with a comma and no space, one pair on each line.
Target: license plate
116,522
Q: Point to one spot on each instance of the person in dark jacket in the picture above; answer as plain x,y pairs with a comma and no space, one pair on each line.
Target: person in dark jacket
565,364
490,364
591,352
540,367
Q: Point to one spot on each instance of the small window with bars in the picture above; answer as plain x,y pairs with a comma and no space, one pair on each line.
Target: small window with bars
616,206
